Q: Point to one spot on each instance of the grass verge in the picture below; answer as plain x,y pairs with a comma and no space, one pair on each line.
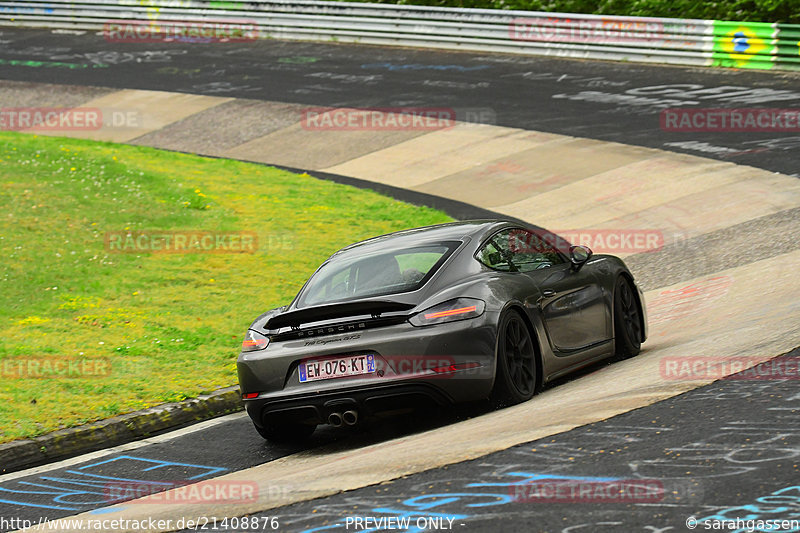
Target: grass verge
144,328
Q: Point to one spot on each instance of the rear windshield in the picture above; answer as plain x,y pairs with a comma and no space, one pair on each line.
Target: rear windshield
353,276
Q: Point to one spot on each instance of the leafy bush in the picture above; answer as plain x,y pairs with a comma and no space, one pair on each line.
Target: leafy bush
738,10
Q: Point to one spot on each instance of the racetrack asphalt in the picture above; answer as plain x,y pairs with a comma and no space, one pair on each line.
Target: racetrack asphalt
611,101
487,88
737,445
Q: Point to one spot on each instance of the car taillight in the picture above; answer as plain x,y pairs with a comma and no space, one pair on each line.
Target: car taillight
254,341
449,311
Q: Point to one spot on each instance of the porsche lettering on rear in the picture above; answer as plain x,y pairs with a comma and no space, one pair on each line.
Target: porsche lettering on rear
330,330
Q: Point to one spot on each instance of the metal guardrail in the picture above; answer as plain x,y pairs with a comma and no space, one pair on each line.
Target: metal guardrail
656,40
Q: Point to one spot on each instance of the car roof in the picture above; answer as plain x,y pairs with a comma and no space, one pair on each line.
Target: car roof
439,232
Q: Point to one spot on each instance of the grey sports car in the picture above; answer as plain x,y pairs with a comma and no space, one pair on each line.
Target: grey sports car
435,315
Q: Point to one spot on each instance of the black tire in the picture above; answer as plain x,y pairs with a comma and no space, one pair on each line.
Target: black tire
286,433
627,319
516,380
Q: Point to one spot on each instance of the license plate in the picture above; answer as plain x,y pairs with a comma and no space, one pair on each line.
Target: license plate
352,365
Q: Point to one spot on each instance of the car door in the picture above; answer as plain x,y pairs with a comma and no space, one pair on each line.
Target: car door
571,301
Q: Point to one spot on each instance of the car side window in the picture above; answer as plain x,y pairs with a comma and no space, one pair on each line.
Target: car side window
518,250
491,256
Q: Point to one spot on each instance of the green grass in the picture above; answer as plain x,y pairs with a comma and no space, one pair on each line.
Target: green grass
170,325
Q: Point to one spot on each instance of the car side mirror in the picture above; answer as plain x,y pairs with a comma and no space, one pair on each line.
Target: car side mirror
578,255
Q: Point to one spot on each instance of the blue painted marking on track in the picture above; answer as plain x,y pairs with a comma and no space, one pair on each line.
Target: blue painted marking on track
159,464
444,498
112,478
419,506
38,506
57,491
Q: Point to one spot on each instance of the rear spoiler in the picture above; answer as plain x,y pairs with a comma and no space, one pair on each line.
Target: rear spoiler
328,312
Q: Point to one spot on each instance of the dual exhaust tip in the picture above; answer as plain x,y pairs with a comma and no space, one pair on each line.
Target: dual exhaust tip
338,420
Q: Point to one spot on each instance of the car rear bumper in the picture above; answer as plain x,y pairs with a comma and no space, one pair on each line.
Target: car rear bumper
405,358
368,402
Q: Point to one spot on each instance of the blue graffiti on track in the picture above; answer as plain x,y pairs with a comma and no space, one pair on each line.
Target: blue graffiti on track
87,486
778,511
420,507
